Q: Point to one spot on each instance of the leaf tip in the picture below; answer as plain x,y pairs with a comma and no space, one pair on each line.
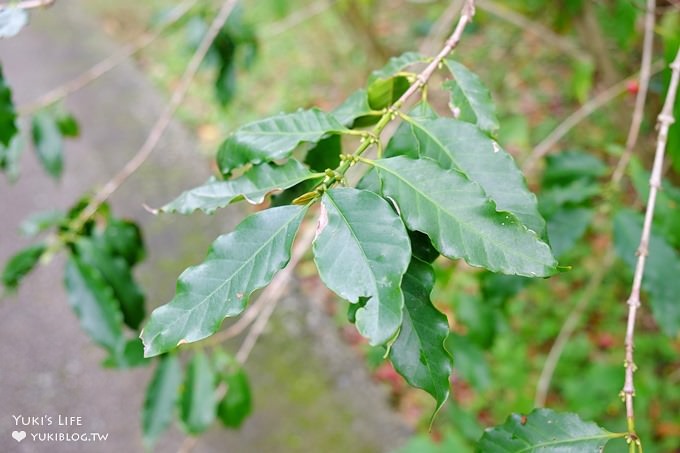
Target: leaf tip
150,210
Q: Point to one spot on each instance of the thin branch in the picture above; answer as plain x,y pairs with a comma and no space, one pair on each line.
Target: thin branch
106,65
568,329
545,34
645,75
29,4
441,28
163,120
665,119
298,17
602,99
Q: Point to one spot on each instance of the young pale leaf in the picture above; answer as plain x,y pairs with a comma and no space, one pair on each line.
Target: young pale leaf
118,275
237,403
662,268
544,431
95,305
471,97
238,263
21,264
8,116
275,138
385,85
362,251
48,142
461,221
161,398
12,20
461,146
197,403
253,185
418,353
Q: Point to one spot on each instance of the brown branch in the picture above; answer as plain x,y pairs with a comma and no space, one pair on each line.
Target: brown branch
163,120
29,4
645,75
106,65
602,99
665,119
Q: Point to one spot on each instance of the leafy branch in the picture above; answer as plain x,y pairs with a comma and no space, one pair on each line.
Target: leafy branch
665,119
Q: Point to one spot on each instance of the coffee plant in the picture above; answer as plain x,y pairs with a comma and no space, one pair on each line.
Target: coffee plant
393,182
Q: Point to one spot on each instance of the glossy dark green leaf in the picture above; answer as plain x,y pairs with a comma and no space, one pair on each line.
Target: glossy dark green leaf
325,154
566,227
10,157
362,250
461,221
469,361
544,431
275,138
68,125
253,186
237,264
421,247
21,264
124,238
385,85
197,403
94,303
662,269
118,275
418,353
355,111
568,166
161,398
12,20
41,221
461,146
471,98
237,402
8,116
48,142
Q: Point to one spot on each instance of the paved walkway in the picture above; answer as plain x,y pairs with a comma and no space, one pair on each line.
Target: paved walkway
311,393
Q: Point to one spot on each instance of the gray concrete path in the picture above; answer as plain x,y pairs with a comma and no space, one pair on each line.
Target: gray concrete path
311,392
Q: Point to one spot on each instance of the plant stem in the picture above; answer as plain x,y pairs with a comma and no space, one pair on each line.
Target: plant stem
163,120
107,64
665,119
29,4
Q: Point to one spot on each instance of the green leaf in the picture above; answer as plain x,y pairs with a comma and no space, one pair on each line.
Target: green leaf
21,264
93,302
124,238
362,251
325,154
567,166
461,221
8,116
237,403
48,142
253,186
461,146
117,274
132,356
470,362
582,78
68,125
275,138
12,20
355,111
662,268
479,318
197,404
41,221
418,353
421,247
471,97
545,431
10,157
385,86
237,264
577,192
566,227
161,398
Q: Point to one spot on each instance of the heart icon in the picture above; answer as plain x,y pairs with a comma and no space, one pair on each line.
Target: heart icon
19,435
